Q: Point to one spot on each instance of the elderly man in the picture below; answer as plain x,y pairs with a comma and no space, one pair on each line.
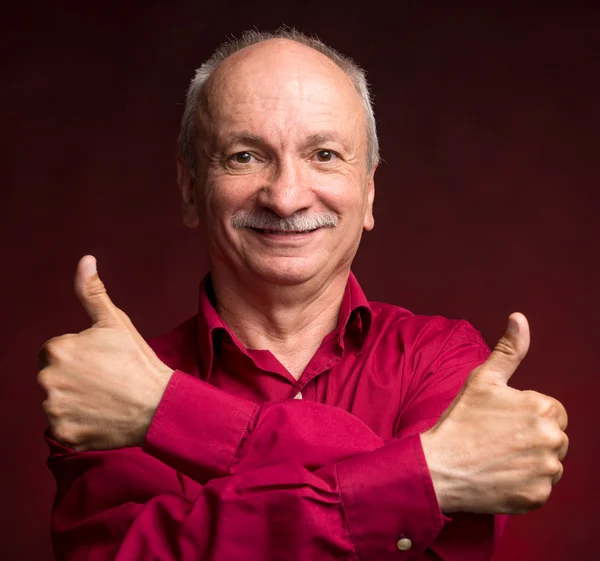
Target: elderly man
290,418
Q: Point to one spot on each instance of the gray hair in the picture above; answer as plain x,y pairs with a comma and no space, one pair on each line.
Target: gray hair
187,134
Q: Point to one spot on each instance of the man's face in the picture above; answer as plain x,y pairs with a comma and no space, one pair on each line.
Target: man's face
283,191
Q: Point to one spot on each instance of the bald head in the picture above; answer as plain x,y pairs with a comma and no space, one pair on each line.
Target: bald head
278,86
280,66
269,56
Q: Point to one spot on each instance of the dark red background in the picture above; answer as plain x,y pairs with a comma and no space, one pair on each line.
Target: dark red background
486,204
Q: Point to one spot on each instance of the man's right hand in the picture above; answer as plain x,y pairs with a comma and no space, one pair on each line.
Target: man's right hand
497,449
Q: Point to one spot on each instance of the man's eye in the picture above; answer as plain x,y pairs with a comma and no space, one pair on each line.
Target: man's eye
242,158
325,155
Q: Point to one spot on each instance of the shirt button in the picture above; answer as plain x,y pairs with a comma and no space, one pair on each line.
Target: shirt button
298,395
404,544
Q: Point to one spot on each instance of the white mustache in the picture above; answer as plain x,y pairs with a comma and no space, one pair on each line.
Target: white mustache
266,219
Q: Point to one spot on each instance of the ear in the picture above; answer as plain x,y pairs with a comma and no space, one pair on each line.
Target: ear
187,189
369,222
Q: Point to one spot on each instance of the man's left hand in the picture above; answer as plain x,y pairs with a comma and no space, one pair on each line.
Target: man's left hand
104,384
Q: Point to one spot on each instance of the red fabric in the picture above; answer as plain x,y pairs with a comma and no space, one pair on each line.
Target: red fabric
234,468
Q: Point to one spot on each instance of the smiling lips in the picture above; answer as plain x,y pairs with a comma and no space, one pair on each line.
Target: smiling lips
284,232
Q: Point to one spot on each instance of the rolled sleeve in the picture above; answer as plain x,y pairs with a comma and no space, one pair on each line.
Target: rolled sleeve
389,501
197,428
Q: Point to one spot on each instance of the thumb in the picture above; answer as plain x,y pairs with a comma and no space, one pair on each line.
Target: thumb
92,294
508,353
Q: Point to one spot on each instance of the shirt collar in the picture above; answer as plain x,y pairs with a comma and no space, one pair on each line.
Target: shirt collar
354,320
355,313
209,324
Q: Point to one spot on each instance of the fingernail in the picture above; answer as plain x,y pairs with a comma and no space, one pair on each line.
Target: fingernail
513,325
91,268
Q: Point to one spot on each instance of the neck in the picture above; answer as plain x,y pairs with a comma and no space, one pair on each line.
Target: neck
290,321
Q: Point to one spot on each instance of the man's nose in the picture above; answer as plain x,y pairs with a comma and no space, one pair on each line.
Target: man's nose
288,189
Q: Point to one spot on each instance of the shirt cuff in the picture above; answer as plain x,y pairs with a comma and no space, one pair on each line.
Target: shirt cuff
198,428
389,501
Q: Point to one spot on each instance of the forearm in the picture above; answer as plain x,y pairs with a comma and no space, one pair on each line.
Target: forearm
356,497
387,488
296,516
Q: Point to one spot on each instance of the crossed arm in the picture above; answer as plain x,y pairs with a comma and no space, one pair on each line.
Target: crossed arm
291,480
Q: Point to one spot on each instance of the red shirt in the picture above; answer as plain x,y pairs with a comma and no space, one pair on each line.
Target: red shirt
243,462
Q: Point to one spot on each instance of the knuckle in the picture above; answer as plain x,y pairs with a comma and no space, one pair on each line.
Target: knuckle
558,439
537,502
558,475
548,407
50,345
564,447
536,497
547,435
561,415
551,466
52,409
563,411
47,409
543,405
553,437
532,399
66,433
55,348
61,432
44,379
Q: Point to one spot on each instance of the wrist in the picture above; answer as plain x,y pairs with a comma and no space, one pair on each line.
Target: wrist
151,401
443,483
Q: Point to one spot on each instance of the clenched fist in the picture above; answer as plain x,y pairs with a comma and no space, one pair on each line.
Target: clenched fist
497,449
104,384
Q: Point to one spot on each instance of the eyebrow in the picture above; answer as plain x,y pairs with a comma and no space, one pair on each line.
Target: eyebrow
257,140
324,138
242,138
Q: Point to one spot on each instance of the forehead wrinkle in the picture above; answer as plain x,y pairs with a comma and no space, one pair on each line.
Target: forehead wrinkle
282,118
277,68
283,128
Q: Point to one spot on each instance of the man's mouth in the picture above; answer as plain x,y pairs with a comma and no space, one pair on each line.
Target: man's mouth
284,232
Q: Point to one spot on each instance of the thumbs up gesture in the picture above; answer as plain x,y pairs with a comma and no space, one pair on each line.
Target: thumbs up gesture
497,449
104,384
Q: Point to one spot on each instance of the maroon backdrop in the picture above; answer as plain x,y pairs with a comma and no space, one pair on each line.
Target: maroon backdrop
486,203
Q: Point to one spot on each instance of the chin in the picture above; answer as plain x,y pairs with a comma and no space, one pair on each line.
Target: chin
286,271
